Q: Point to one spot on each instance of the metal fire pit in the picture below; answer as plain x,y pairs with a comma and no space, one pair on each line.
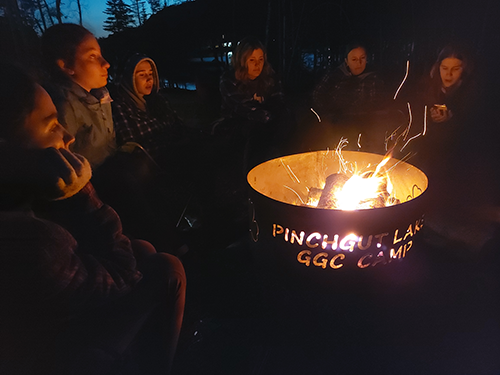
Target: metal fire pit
329,240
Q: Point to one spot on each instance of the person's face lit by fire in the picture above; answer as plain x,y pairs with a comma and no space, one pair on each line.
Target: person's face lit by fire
41,129
451,71
255,63
90,69
356,61
143,77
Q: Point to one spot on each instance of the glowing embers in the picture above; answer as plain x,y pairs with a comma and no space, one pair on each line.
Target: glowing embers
361,191
377,229
351,189
347,181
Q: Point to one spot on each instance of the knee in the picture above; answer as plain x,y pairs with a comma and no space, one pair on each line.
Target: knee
142,249
165,269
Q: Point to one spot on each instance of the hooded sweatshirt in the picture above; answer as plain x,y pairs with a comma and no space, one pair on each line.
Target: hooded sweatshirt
147,120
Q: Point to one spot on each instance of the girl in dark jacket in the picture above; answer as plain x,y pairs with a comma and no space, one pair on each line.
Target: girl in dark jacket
253,103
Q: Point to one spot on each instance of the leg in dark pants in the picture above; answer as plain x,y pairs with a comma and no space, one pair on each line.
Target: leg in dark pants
142,328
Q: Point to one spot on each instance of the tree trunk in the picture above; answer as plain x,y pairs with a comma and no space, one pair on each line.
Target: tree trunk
138,12
48,13
79,11
58,11
42,17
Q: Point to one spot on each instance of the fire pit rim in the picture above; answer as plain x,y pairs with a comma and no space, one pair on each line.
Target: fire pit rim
423,191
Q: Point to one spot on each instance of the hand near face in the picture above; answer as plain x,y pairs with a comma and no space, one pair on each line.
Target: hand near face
72,172
42,173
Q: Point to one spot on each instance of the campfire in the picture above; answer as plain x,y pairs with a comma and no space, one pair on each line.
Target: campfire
337,210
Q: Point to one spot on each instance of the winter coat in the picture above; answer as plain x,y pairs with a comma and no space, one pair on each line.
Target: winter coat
87,116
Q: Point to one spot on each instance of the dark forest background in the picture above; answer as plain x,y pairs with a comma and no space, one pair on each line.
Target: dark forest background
394,30
190,41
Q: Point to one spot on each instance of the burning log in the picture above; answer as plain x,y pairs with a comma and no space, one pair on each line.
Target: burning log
334,184
371,230
313,196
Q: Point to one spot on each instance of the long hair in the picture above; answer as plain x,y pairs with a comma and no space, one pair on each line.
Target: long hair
17,99
243,51
457,52
60,42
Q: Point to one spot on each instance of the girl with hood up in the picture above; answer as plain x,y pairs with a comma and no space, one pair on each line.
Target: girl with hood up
140,113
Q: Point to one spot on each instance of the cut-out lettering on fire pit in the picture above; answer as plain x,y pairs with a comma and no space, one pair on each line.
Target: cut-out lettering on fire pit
303,216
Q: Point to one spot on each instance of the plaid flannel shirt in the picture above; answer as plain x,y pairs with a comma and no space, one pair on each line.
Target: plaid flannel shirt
132,124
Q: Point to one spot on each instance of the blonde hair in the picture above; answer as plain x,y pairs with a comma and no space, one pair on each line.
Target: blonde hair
243,51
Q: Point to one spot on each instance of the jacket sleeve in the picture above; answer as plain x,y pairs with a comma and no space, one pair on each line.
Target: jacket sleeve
101,264
241,103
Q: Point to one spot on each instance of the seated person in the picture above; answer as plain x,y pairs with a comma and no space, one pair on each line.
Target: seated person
140,113
76,293
348,90
78,76
253,100
448,90
450,96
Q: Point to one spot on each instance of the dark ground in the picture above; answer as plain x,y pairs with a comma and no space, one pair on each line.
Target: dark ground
437,312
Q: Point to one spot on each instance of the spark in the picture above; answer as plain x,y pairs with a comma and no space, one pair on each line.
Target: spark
290,169
338,151
359,140
405,133
290,172
295,193
404,79
403,159
421,133
316,113
409,140
392,136
410,121
425,120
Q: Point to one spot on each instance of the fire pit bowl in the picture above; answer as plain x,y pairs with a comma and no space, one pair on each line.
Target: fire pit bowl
331,240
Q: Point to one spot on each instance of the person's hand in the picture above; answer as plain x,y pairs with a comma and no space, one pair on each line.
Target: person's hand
43,173
440,114
257,98
73,172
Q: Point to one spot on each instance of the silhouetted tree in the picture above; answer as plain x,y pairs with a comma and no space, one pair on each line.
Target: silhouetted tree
79,5
144,13
120,16
139,11
36,14
58,11
155,5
